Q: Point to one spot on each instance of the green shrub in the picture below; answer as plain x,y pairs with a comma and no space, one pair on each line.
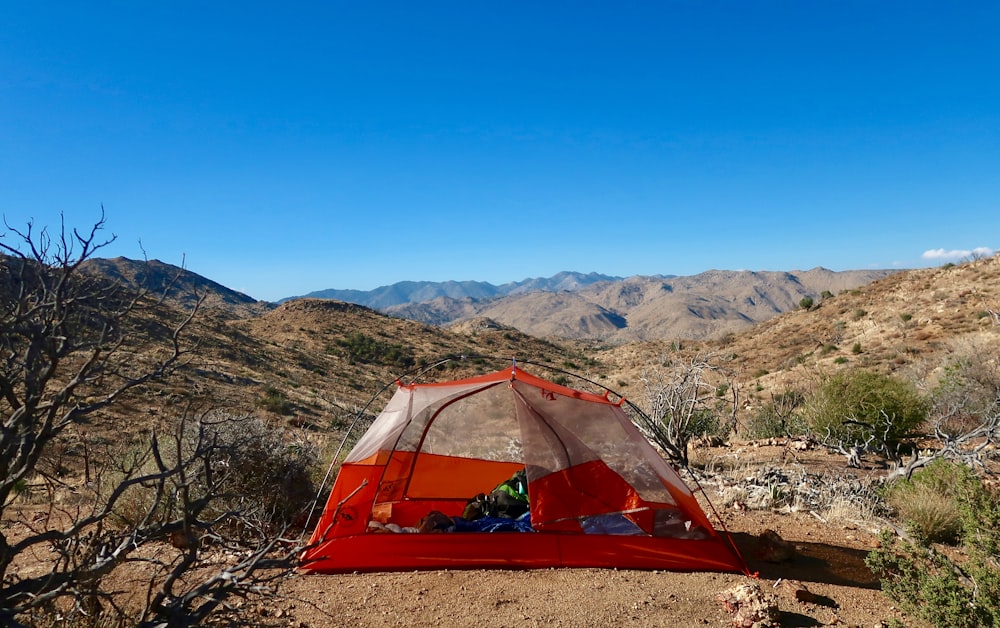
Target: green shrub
856,349
778,418
806,303
367,350
273,400
926,502
766,423
928,585
853,405
706,423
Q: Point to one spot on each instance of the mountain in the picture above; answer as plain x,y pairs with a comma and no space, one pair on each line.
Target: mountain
175,284
911,322
406,292
707,305
568,305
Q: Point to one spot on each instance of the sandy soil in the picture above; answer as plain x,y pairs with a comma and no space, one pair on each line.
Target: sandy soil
829,562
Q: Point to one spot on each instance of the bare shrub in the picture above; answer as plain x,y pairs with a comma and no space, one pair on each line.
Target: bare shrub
269,471
682,401
72,346
841,497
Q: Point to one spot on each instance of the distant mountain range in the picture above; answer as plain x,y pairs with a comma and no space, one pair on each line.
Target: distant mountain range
407,292
568,305
601,307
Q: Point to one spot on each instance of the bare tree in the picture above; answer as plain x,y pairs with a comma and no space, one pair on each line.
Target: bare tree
68,351
682,401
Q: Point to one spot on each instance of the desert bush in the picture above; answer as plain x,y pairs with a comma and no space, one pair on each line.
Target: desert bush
273,400
967,390
76,345
706,423
926,502
681,402
930,586
269,471
806,303
779,418
256,479
359,348
767,422
856,408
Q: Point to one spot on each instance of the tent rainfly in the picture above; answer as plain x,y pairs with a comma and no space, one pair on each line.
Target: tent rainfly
598,494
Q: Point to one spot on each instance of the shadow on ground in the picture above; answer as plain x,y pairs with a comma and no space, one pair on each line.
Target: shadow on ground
811,562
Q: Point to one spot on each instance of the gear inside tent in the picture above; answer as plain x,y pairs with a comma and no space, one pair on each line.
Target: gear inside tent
509,470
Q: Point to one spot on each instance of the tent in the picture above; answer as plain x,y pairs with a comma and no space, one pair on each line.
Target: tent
599,494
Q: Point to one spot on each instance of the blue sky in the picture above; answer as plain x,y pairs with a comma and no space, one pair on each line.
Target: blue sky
281,148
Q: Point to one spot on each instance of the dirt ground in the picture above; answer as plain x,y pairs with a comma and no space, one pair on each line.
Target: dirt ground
828,561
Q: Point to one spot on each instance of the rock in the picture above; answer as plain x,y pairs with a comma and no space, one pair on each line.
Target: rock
750,606
799,591
773,548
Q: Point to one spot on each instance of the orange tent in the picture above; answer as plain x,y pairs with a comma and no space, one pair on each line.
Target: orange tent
599,494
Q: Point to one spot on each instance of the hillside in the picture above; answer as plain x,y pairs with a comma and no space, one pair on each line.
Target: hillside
707,305
177,285
314,363
910,323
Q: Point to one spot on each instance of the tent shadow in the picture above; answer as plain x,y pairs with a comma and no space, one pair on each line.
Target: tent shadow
812,562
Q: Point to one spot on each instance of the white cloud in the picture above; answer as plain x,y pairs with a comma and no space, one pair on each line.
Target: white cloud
942,254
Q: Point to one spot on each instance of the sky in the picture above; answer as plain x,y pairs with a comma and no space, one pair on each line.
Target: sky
280,148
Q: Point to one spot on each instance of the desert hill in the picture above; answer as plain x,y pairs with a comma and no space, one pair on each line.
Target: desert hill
565,306
910,323
178,285
707,305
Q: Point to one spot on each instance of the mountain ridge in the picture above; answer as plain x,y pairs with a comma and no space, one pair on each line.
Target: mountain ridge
404,292
568,305
707,305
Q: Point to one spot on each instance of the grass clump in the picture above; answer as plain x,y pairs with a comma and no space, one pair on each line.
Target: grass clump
925,582
926,502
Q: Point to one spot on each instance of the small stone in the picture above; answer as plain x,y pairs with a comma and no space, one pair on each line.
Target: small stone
799,591
773,548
